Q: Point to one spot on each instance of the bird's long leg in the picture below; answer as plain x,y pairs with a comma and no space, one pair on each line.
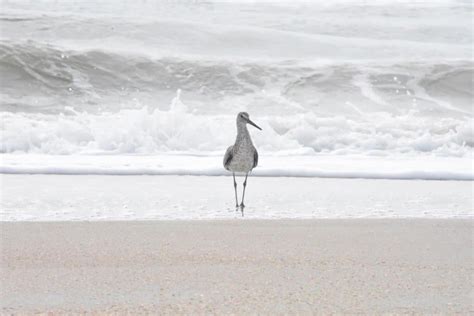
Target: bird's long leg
235,189
242,205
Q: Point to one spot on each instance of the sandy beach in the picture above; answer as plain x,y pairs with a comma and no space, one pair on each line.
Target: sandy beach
238,266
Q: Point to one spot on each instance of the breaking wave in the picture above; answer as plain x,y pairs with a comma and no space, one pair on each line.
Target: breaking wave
63,101
43,77
178,129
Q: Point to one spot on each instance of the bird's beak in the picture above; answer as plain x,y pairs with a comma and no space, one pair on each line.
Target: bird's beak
252,123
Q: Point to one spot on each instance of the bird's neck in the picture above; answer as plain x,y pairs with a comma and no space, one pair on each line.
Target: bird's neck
243,133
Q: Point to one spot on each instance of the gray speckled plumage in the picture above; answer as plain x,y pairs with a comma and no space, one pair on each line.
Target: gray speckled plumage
242,156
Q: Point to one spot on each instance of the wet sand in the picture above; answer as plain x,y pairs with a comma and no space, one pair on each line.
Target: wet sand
238,266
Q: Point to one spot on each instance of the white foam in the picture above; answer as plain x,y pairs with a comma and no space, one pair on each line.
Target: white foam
322,166
147,131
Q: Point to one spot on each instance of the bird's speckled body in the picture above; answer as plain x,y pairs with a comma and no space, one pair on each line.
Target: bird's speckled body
243,152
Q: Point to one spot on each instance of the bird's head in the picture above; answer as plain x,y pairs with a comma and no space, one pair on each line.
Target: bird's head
243,118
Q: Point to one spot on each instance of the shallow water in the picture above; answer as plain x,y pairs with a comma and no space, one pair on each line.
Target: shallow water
99,197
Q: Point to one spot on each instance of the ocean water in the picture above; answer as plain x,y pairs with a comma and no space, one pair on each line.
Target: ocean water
133,79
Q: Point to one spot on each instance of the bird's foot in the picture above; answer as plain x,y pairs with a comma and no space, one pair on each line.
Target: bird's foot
242,206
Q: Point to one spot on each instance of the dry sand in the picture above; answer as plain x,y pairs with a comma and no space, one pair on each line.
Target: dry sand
240,266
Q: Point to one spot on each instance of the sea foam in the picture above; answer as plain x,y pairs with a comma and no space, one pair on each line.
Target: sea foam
178,129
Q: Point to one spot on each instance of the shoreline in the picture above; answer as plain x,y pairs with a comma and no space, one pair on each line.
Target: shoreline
294,166
232,266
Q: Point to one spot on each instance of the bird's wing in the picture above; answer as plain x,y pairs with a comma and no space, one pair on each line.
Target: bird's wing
228,156
255,158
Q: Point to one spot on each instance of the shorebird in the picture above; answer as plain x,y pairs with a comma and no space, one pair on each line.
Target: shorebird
242,156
